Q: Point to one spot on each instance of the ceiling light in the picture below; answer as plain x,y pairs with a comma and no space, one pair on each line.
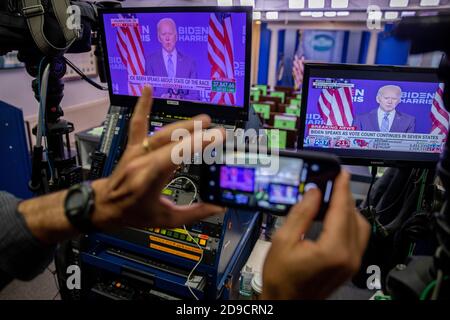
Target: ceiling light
429,3
399,3
256,15
250,3
391,15
225,3
428,13
296,4
339,4
408,13
316,4
272,15
317,14
375,15
306,13
330,14
343,13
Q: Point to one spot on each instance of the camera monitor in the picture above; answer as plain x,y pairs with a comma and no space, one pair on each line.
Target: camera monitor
196,58
374,115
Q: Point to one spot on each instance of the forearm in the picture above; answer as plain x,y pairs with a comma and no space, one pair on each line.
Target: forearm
46,219
22,256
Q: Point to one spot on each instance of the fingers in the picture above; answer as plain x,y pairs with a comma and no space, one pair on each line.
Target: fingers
302,215
164,136
168,157
139,121
181,215
363,232
339,198
343,231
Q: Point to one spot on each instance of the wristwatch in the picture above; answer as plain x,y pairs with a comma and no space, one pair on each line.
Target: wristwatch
79,206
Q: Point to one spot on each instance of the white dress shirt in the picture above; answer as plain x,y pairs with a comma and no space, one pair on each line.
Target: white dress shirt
391,116
174,59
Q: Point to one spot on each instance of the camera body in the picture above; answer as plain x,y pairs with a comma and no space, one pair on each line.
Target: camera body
15,33
413,280
42,31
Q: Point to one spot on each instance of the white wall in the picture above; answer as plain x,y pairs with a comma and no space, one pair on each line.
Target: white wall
15,89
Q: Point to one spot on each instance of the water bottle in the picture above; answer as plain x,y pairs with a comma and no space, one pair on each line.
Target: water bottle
245,287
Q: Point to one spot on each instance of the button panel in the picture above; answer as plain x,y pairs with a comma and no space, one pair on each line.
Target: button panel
180,234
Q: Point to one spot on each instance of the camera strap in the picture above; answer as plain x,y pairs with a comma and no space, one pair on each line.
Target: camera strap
34,13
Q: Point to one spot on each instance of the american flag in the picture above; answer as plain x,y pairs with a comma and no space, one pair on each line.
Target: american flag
440,118
221,55
336,106
131,50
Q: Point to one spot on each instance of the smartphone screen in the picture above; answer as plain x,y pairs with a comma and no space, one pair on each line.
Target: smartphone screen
268,184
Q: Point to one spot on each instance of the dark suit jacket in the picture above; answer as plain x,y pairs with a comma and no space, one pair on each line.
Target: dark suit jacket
186,68
369,122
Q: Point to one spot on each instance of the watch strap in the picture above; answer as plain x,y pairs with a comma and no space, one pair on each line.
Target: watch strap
79,206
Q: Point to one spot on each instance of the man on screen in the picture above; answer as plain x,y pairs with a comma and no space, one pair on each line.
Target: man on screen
170,62
386,118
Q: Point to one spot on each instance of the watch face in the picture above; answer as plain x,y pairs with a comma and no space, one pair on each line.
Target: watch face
79,205
75,201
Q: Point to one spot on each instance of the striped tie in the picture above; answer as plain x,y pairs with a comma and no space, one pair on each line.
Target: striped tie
385,123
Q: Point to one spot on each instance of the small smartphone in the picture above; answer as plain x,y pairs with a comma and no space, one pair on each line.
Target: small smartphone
269,183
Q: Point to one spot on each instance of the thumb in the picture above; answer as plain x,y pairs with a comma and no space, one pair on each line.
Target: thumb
302,215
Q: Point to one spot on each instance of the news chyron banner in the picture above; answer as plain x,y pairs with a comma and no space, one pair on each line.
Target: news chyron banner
193,56
376,115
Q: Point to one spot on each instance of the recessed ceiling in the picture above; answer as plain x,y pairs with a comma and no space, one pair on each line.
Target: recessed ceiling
317,10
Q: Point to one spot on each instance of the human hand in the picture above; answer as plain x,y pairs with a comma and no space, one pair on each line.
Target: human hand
305,269
131,196
298,67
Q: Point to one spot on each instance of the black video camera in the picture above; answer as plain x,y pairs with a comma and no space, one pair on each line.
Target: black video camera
42,31
51,28
421,274
16,33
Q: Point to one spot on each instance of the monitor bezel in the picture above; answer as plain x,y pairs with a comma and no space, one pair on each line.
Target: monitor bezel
171,108
366,157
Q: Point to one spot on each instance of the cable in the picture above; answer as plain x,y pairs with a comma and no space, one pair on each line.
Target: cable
189,234
188,179
56,295
371,214
83,76
437,287
424,294
42,100
399,197
412,247
56,282
374,175
50,167
196,265
427,289
423,180
41,130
